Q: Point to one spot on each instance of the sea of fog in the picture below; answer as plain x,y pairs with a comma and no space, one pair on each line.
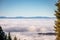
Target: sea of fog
27,29
31,36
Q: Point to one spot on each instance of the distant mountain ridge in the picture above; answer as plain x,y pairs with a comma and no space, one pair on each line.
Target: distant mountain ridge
2,17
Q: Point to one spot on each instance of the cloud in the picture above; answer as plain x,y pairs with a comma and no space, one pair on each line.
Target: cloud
16,29
31,25
32,29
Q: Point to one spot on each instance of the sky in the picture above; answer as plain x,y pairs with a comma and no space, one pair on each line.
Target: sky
27,8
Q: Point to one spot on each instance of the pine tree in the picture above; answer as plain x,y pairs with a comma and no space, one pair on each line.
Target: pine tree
57,24
15,38
9,36
6,37
2,34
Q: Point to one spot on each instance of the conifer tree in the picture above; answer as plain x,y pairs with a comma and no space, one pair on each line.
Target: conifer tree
57,24
9,36
6,37
2,34
15,38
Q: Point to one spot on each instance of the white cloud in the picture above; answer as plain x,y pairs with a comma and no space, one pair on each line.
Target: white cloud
31,24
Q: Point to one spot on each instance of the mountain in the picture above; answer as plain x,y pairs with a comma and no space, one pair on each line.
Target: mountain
3,17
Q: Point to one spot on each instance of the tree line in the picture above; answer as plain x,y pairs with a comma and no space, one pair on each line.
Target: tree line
4,36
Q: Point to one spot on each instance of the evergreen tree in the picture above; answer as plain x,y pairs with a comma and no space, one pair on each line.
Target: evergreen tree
5,37
57,24
9,36
15,38
2,34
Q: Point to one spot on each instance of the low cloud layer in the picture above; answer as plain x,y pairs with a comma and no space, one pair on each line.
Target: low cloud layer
27,25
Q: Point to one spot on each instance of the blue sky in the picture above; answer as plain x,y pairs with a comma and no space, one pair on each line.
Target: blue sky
27,8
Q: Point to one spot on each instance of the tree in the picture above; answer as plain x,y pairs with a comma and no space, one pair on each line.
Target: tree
15,38
9,36
57,24
2,34
6,37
